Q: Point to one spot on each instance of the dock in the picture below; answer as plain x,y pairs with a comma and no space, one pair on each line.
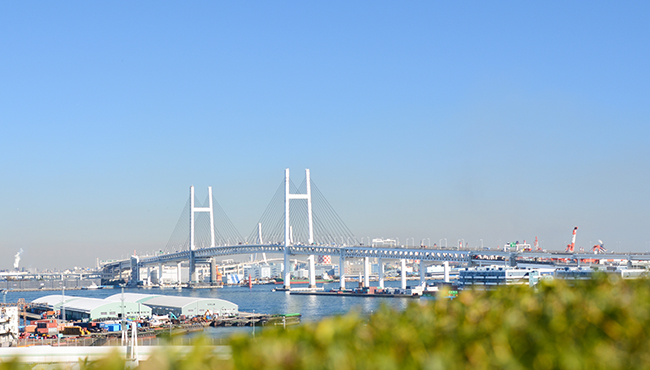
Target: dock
252,319
355,294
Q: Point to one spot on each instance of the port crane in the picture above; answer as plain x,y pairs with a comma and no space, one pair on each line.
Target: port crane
599,248
571,247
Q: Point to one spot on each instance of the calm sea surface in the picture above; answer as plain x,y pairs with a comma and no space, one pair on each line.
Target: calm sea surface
259,299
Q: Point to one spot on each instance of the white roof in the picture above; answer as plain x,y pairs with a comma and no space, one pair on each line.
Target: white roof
55,299
72,303
131,297
179,302
86,304
89,304
165,300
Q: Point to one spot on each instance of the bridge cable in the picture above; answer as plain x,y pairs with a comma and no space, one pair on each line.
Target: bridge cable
180,239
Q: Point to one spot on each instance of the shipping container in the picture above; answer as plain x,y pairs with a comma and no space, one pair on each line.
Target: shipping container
113,327
73,330
47,331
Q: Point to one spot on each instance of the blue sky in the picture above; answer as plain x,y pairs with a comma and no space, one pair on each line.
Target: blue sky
498,121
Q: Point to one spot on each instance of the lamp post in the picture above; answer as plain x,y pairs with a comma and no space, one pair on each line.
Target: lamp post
122,324
63,303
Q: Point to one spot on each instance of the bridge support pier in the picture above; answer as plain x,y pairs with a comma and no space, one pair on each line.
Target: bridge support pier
423,273
342,271
135,271
287,268
160,273
446,271
213,271
193,278
403,264
312,272
148,282
178,273
366,272
381,274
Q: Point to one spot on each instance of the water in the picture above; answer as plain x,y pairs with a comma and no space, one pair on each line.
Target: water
258,299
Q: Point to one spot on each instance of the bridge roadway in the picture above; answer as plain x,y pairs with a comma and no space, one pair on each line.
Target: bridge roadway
469,257
426,254
345,252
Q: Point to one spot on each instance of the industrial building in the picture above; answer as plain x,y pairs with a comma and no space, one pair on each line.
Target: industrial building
490,277
79,308
188,306
136,305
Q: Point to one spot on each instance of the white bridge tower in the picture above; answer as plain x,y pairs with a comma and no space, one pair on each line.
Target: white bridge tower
287,228
193,209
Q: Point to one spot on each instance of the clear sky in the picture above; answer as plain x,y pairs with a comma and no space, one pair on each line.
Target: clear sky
498,121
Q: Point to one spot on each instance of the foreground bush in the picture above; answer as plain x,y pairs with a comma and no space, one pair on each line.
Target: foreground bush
599,324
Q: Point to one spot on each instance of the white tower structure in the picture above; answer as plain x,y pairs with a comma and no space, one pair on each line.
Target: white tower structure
193,209
287,228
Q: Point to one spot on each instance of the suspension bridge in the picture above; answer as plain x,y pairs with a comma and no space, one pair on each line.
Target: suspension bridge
300,222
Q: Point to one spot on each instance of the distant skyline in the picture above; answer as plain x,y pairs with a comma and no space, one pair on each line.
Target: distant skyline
495,121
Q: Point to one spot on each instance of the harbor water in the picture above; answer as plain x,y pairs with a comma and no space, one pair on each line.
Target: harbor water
258,299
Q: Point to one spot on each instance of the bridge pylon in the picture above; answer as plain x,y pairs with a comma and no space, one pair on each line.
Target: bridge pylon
287,227
209,209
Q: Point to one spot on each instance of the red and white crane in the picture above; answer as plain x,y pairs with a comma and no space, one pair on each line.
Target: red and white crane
570,247
599,248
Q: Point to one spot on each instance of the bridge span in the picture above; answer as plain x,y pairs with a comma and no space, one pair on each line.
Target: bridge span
313,246
424,256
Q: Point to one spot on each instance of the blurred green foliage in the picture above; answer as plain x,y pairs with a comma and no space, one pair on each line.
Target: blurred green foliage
595,324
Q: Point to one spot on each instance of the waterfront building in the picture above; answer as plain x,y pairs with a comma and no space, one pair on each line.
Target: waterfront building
191,306
259,271
276,269
587,273
353,268
300,274
81,308
489,277
188,306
